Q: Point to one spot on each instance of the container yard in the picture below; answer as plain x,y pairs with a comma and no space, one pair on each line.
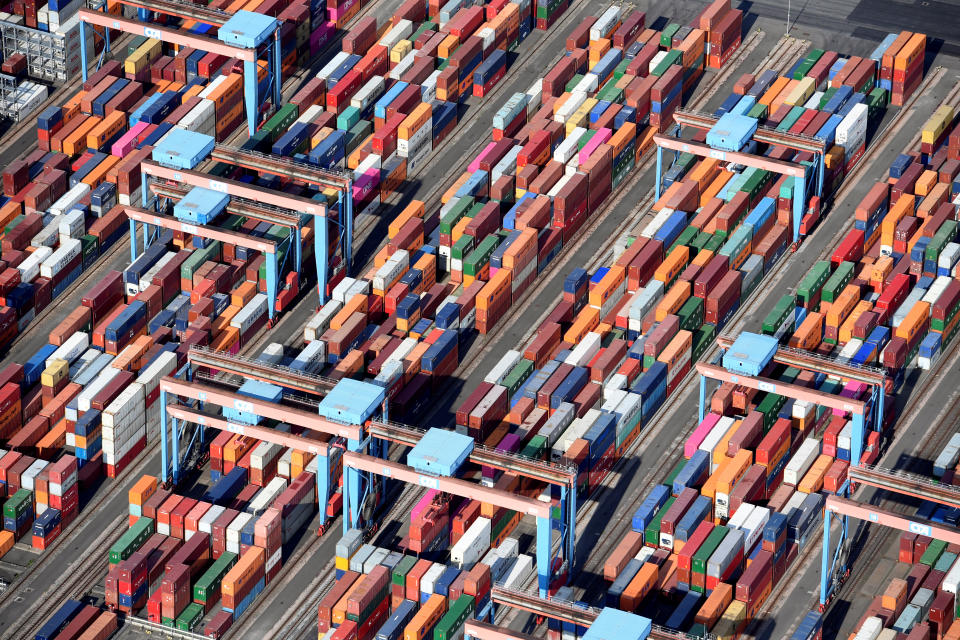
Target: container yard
496,319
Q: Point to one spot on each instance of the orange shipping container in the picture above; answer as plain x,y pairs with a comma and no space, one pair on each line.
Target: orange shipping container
812,481
426,618
715,604
607,286
809,334
494,289
843,305
247,566
846,329
640,586
914,322
413,210
674,263
585,322
673,300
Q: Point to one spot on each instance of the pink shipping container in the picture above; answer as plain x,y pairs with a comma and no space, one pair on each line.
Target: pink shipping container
699,434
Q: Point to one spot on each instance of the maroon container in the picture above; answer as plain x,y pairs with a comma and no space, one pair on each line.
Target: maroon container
710,277
721,301
748,435
194,553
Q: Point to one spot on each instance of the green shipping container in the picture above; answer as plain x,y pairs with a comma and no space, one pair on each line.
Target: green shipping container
473,264
813,282
131,540
196,259
780,320
348,118
450,624
807,64
757,111
698,563
770,406
652,535
462,247
535,448
401,569
714,243
208,584
18,504
791,118
702,339
933,552
674,56
281,121
585,138
666,37
837,281
191,617
691,314
501,524
518,375
456,212
574,81
686,238
674,473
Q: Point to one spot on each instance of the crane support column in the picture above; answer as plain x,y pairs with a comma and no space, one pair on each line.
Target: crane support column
320,249
825,581
83,49
703,397
857,439
659,171
276,71
351,490
250,94
323,486
163,429
799,198
543,555
348,241
297,249
271,266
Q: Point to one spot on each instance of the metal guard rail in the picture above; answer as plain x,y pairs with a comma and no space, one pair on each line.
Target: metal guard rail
559,471
899,480
570,612
237,206
223,361
763,133
289,166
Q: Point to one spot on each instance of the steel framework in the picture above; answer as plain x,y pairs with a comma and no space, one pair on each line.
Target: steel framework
235,40
270,164
704,121
173,178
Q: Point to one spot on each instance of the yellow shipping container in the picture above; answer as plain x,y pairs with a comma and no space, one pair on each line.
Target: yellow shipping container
799,95
935,125
400,51
585,322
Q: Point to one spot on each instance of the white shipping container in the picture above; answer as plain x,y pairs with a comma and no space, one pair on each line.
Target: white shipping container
520,573
272,353
740,516
714,437
153,271
429,580
250,313
850,349
472,545
657,59
312,112
796,499
404,65
853,127
396,265
312,358
612,400
233,532
266,496
753,527
331,66
801,461
368,93
870,629
503,367
400,31
428,89
951,581
320,322
30,267
616,382
607,20
588,84
658,221
948,257
129,402
947,458
95,387
73,196
339,292
936,289
535,92
68,250
163,365
71,349
570,106
403,350
72,224
585,350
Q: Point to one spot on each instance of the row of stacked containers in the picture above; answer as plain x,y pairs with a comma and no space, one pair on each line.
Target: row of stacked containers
749,493
92,390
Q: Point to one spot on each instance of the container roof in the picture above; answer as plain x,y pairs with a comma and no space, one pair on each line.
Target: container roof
614,624
201,201
247,29
182,149
440,452
749,353
351,402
